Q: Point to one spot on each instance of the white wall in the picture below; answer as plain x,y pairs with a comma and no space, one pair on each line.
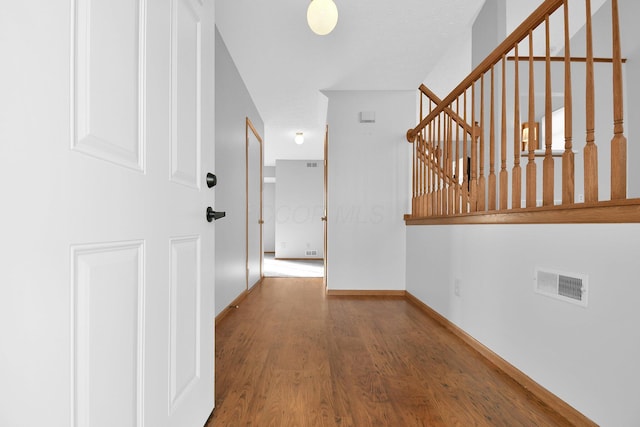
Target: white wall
368,188
586,356
269,228
299,208
632,103
454,66
489,29
233,105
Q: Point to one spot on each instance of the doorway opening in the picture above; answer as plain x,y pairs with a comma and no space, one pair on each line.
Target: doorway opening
295,226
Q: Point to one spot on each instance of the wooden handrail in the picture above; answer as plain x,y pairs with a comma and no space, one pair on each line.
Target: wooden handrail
563,59
519,34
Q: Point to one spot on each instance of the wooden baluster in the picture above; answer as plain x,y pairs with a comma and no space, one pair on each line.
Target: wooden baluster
416,165
504,175
619,141
547,164
414,168
492,146
429,170
456,196
416,176
432,168
423,158
443,165
425,133
433,164
450,187
445,161
417,149
442,151
482,186
532,135
426,182
421,166
465,165
516,173
568,163
473,202
590,149
420,178
438,167
418,142
425,169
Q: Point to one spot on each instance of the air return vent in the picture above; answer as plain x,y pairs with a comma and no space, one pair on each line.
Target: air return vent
312,164
311,253
569,287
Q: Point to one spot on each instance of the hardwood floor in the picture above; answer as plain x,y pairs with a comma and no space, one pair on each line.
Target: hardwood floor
292,356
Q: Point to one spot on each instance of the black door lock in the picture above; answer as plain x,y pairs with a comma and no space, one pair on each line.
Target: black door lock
212,180
211,214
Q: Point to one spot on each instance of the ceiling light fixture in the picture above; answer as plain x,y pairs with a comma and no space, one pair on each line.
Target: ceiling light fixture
322,16
299,139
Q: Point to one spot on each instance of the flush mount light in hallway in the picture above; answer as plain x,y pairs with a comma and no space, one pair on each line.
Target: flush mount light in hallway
299,139
322,16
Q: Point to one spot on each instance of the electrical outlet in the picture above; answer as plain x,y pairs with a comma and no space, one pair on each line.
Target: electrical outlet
456,287
580,198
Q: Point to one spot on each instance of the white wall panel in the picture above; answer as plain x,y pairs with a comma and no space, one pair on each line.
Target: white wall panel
368,192
185,315
107,313
233,106
299,208
107,81
185,96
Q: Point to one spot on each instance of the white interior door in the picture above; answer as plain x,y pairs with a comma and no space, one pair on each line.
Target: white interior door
106,284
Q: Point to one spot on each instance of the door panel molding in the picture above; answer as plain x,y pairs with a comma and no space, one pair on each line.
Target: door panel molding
107,330
186,87
186,301
108,81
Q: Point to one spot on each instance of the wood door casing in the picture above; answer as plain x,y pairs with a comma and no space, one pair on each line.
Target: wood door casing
254,220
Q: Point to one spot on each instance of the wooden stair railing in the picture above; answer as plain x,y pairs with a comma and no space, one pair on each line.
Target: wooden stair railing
439,190
487,157
429,155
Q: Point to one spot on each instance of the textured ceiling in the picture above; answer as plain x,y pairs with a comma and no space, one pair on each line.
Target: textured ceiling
377,45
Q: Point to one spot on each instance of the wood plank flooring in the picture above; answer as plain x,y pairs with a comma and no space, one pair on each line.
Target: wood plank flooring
292,356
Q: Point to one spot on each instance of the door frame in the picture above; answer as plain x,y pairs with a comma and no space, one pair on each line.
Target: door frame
250,127
326,202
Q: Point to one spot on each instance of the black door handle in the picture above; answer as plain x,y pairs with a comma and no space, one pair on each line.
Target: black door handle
211,214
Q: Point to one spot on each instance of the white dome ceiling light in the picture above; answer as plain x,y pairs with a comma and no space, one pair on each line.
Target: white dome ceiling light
322,16
299,139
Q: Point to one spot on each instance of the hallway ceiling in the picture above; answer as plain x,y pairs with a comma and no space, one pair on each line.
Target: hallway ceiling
377,45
